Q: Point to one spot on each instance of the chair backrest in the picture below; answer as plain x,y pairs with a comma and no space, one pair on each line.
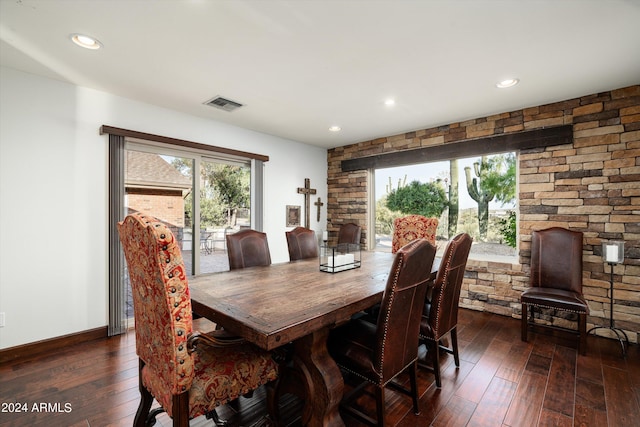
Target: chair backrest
401,308
247,248
302,243
411,227
556,259
445,295
349,233
161,300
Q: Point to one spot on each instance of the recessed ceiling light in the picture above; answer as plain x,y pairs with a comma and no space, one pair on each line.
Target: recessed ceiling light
335,128
390,102
507,83
86,41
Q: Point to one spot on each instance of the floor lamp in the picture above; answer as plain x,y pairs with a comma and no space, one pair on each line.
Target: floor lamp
613,254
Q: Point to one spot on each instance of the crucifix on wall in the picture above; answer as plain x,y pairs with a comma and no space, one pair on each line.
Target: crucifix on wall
307,191
319,204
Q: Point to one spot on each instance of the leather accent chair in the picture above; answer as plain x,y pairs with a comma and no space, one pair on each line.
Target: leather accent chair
349,233
189,373
302,243
411,227
378,353
440,316
556,279
247,248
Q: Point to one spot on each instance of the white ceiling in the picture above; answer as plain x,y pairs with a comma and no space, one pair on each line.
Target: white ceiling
302,66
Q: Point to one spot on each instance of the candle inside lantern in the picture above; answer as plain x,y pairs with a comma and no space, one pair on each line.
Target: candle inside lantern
325,235
349,258
611,253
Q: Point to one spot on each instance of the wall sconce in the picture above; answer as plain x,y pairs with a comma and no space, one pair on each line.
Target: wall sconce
612,254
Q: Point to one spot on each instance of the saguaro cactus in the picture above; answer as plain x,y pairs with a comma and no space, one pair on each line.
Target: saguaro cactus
454,200
401,183
480,194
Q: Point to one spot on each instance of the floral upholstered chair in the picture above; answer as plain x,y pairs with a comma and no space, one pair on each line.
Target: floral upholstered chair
187,372
412,227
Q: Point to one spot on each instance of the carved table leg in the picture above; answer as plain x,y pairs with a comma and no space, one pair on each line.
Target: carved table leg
323,380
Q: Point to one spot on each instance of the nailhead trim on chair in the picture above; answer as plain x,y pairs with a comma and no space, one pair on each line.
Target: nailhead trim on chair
386,324
448,265
369,379
554,308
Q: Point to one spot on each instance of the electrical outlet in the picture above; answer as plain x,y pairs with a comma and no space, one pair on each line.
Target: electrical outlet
2,320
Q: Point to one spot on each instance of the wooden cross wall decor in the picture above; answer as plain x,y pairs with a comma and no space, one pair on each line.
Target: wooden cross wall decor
319,204
307,191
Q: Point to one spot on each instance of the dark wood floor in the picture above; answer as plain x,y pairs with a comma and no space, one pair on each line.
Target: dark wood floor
501,382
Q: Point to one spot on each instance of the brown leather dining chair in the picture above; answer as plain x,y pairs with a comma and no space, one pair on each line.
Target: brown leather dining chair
247,248
440,316
302,243
349,233
378,353
189,373
556,280
411,227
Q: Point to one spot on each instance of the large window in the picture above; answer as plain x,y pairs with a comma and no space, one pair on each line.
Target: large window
477,148
475,195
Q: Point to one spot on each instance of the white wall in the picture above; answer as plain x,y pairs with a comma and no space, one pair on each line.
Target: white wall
53,196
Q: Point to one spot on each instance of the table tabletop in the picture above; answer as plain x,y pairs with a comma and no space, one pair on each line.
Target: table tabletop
273,305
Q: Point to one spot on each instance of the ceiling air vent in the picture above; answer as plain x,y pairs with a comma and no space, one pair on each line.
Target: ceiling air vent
223,103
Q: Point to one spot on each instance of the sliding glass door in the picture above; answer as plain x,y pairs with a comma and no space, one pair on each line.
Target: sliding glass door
201,192
202,200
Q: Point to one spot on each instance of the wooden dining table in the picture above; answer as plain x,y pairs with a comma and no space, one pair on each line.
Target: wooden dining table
295,302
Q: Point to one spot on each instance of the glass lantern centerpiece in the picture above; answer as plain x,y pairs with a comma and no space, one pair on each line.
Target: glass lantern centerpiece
344,256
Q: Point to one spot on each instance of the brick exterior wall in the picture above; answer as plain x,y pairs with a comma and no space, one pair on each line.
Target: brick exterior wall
591,185
167,207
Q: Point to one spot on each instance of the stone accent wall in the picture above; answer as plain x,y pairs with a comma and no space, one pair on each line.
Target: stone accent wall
591,185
